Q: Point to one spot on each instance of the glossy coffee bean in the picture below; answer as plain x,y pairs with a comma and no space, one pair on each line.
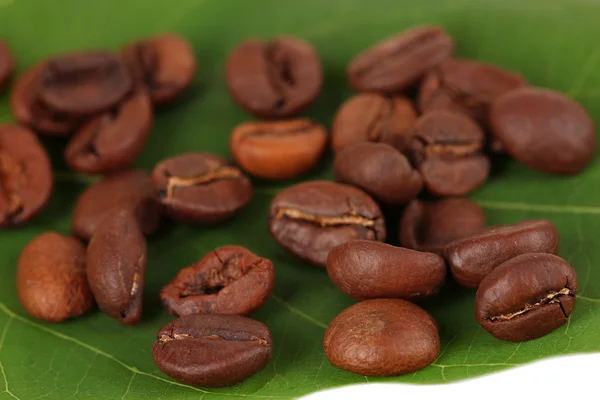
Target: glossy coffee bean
28,109
164,65
447,149
112,140
128,190
116,264
212,350
545,130
364,269
526,297
51,278
200,188
26,177
84,83
474,257
311,218
382,337
400,61
379,170
279,149
276,78
229,280
372,117
431,225
7,64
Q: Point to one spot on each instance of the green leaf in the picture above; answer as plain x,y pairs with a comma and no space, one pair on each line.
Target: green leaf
553,43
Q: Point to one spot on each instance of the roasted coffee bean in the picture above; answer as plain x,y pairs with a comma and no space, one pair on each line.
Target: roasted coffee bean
212,350
526,297
112,140
128,190
371,117
311,218
26,177
545,130
364,269
28,109
382,337
431,225
229,280
51,279
278,149
472,258
7,64
200,187
276,78
398,62
380,170
116,264
84,83
446,147
165,65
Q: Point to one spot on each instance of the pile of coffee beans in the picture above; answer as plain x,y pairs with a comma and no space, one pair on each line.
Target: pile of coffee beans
389,153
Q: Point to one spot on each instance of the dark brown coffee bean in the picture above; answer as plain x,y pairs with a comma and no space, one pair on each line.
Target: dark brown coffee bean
28,109
7,64
431,225
212,350
276,78
128,190
472,258
526,297
200,187
398,62
278,149
84,83
51,279
446,148
380,170
112,140
165,65
371,117
545,130
364,269
26,177
229,280
382,337
116,265
311,218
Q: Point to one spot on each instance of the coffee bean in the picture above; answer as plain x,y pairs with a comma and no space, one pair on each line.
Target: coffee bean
311,218
276,78
229,280
26,177
112,140
165,65
526,297
446,147
116,264
278,149
545,130
200,187
398,62
212,350
431,225
380,170
371,117
7,64
364,269
84,83
128,190
472,258
382,337
28,109
51,278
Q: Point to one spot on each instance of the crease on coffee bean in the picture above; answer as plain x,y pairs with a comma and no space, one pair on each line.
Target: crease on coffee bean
216,172
305,127
185,336
446,149
375,129
135,289
552,297
455,93
351,218
278,73
10,168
